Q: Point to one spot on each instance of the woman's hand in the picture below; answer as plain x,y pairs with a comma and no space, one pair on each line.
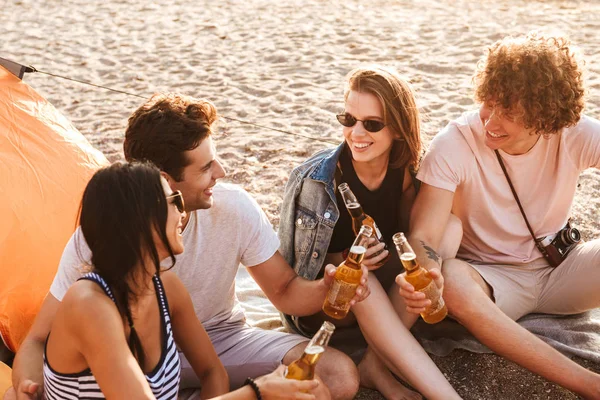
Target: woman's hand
417,302
275,386
370,260
362,291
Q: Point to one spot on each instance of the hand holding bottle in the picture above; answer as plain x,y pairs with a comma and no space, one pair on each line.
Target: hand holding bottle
275,386
362,292
421,280
376,255
348,275
417,302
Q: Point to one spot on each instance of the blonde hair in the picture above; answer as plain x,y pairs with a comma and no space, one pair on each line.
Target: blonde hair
536,79
400,112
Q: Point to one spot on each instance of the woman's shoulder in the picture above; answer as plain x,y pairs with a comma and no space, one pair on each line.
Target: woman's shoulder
86,303
174,287
328,156
170,281
85,291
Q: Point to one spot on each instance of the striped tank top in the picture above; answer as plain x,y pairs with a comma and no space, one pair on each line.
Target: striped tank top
163,379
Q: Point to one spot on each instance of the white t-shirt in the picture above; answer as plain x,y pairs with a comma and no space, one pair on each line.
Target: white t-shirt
545,179
234,230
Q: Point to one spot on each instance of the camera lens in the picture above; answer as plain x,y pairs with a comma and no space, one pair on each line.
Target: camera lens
575,235
571,236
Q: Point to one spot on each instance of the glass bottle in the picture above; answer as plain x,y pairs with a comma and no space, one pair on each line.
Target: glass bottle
360,218
304,367
421,280
347,277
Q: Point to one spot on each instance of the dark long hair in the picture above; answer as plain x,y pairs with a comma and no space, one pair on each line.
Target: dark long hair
121,207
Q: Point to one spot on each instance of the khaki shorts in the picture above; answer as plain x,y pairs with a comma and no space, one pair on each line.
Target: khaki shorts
571,288
244,351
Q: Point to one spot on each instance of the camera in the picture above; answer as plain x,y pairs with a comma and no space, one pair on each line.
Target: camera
556,247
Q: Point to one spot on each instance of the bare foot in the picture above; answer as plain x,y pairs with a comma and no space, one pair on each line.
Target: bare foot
375,375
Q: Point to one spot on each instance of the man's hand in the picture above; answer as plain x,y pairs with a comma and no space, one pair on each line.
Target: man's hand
371,261
28,390
10,394
276,386
362,292
416,302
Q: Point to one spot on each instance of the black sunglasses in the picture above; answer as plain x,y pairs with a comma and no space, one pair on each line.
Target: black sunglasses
370,125
177,200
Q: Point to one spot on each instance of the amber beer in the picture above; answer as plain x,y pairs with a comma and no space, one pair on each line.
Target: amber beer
421,280
304,368
360,218
347,277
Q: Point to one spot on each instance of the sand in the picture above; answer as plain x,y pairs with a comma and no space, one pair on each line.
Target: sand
281,64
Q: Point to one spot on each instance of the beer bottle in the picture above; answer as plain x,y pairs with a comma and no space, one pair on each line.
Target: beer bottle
347,277
360,218
421,280
304,368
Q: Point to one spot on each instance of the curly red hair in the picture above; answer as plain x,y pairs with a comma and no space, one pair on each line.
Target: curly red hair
534,79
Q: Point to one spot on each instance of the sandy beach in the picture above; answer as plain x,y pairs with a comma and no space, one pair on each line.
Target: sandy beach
281,64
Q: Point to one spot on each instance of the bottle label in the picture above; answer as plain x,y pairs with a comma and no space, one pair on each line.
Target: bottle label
433,293
340,294
378,232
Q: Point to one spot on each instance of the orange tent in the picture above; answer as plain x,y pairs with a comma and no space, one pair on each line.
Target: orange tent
45,164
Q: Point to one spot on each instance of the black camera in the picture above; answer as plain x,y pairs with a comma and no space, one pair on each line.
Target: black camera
555,248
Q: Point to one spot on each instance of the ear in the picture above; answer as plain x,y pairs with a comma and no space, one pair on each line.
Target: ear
168,178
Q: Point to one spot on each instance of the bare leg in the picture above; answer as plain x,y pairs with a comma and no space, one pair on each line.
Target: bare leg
10,394
396,346
375,375
335,369
468,298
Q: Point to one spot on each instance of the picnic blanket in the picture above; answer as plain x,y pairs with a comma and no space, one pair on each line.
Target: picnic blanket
573,335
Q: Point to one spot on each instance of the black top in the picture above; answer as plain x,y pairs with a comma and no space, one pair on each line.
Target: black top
381,204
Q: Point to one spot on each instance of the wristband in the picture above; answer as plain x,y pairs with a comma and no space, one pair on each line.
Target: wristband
254,386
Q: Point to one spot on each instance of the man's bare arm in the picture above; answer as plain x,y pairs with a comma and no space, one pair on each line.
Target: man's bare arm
429,218
292,294
28,364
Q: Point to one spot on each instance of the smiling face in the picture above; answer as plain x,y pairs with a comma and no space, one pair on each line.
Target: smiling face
504,133
366,147
174,222
199,176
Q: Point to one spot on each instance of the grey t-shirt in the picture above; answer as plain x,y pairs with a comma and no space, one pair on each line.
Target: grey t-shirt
234,230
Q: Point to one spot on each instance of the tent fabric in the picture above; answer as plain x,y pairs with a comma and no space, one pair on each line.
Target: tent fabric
45,164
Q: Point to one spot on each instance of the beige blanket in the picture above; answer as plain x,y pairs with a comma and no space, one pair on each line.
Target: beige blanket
577,335
573,335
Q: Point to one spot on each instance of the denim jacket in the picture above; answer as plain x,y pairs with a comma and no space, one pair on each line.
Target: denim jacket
309,213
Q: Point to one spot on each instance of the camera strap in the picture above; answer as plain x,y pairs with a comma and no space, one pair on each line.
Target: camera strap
512,188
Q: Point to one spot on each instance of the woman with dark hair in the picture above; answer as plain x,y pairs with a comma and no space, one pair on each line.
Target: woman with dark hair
115,332
377,159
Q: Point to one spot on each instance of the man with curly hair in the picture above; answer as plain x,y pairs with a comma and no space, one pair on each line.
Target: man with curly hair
531,93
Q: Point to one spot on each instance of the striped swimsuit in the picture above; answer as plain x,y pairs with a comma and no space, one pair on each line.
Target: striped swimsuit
163,380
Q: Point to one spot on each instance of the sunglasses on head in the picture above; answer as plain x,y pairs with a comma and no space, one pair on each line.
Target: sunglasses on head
370,125
177,200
